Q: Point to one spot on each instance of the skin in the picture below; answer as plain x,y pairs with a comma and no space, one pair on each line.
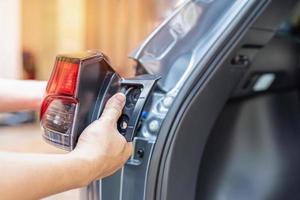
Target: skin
18,95
101,150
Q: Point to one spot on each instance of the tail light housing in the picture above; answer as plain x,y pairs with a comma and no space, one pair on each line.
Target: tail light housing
71,95
77,91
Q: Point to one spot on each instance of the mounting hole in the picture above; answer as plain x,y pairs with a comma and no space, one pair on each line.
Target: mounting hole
123,124
132,96
140,153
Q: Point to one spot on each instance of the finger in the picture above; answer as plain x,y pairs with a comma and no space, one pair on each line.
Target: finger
113,108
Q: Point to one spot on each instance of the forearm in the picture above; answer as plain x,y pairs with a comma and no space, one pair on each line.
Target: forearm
20,95
33,176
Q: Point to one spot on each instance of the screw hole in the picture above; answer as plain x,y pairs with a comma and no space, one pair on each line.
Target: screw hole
140,153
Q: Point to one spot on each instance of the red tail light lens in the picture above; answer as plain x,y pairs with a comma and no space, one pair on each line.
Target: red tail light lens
59,106
62,82
64,79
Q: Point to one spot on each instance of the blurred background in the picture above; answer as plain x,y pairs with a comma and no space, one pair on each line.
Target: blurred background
33,32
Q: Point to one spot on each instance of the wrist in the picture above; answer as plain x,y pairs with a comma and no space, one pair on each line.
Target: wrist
81,169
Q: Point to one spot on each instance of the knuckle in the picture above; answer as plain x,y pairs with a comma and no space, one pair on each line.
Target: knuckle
129,149
116,109
110,101
113,102
122,143
112,109
106,119
101,123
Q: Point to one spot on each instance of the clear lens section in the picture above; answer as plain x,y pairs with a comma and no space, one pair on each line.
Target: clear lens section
58,120
56,138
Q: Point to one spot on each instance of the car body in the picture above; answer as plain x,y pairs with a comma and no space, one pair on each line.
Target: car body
223,121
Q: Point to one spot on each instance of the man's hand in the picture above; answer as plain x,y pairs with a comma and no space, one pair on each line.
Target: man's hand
100,145
101,150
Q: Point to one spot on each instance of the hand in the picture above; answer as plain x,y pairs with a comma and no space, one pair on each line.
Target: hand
101,146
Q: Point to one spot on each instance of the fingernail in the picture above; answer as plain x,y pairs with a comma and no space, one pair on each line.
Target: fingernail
120,97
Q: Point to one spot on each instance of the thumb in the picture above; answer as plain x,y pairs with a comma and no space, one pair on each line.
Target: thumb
113,108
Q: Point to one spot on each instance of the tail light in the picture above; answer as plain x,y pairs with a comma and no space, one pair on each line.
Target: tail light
61,89
71,94
77,91
58,108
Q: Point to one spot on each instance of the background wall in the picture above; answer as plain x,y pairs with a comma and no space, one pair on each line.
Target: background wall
39,33
57,26
10,57
117,26
35,31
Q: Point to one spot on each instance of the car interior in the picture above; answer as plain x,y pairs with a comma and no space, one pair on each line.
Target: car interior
252,151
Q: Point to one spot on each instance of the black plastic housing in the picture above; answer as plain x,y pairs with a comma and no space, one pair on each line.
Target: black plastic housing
96,83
